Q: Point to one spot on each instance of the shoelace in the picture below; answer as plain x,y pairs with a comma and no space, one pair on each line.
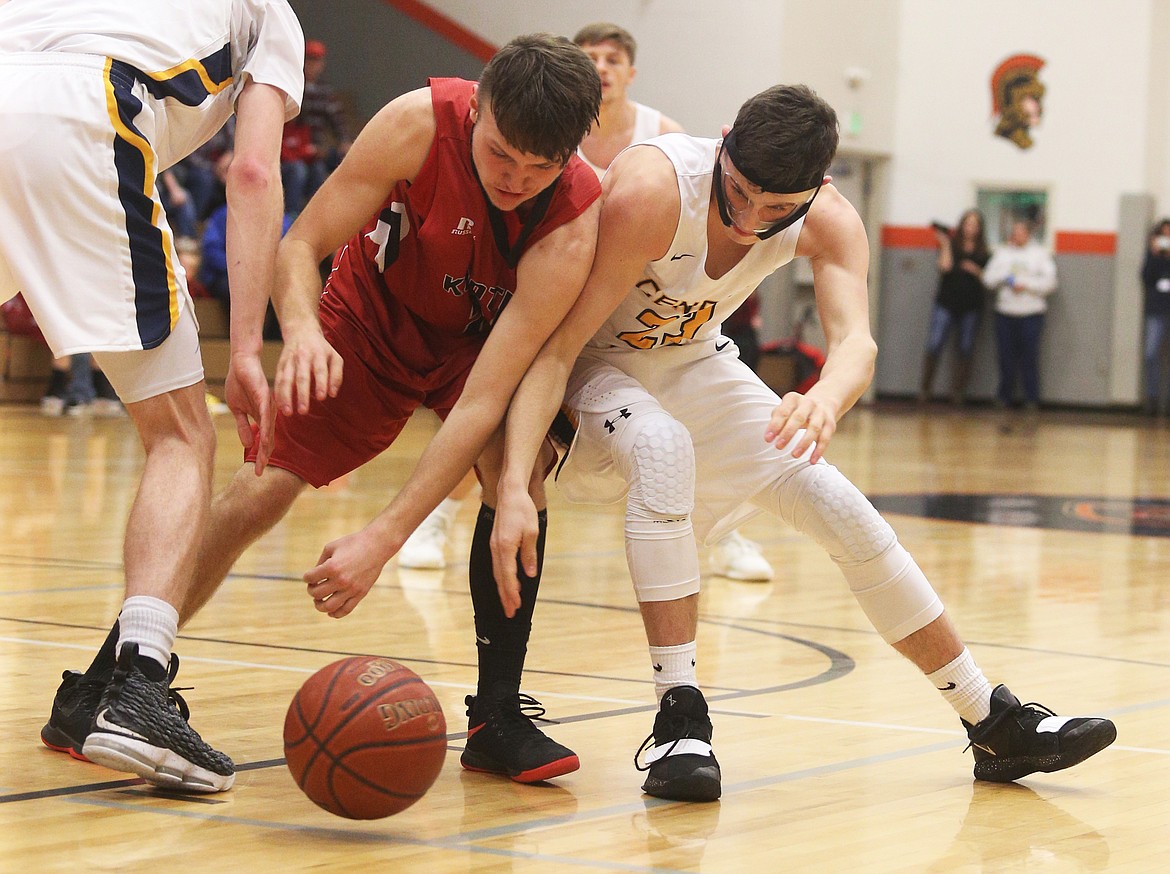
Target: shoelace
1037,711
528,707
680,721
173,695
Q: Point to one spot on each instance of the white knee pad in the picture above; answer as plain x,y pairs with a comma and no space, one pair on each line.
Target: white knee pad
886,581
654,453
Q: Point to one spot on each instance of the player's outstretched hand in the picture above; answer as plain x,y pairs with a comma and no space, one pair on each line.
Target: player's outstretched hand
514,546
347,569
812,421
250,400
309,369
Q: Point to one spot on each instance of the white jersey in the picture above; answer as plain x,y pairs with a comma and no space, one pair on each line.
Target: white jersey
97,97
676,302
192,55
647,124
663,346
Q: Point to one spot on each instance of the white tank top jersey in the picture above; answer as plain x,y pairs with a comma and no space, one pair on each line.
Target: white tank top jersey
647,123
193,54
676,302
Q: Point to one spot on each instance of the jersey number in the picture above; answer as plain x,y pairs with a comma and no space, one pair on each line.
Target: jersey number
679,327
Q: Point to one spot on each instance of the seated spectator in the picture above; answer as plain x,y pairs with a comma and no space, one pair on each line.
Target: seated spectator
197,172
316,140
178,204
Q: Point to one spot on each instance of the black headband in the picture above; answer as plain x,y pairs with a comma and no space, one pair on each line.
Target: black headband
729,146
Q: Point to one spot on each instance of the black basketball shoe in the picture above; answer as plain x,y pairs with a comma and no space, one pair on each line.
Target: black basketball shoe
74,706
138,729
1017,739
679,758
504,741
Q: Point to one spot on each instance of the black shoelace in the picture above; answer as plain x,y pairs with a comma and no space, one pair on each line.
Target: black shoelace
1035,712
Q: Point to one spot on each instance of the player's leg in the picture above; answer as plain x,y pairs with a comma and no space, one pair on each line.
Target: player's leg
240,515
652,452
136,726
501,737
1010,739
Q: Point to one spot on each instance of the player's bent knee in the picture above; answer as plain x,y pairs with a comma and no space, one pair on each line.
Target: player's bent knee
655,453
895,595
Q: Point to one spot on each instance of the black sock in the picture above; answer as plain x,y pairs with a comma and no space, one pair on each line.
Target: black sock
152,669
502,643
107,656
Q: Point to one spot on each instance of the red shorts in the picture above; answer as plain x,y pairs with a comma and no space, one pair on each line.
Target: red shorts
339,435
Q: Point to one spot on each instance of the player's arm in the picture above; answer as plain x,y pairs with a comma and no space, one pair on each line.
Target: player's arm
254,211
834,240
392,147
548,279
639,214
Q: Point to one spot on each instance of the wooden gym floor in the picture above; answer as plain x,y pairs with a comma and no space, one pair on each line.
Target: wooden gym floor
1045,536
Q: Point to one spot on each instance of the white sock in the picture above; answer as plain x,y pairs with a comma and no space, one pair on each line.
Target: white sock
152,624
673,666
963,685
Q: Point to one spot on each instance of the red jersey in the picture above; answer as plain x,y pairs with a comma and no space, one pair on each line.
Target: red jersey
423,282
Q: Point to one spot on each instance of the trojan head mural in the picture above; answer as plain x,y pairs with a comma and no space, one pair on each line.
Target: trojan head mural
1017,98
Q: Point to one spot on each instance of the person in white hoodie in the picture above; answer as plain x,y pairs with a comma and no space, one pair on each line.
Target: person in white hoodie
1023,274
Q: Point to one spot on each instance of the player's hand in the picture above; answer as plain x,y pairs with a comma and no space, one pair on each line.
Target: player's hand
799,413
513,542
345,573
250,400
309,369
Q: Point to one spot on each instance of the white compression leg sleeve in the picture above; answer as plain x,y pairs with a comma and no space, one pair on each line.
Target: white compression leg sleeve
654,453
819,501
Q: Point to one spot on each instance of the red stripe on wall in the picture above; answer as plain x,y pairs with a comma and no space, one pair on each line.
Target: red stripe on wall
1085,243
449,29
907,237
1067,242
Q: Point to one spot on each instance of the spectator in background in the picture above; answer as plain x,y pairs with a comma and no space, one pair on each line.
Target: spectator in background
315,141
178,205
1023,274
1156,279
199,172
958,306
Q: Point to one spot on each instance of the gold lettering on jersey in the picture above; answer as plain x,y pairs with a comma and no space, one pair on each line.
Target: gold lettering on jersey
671,328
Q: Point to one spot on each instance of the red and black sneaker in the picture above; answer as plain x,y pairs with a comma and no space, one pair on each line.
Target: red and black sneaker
74,707
503,740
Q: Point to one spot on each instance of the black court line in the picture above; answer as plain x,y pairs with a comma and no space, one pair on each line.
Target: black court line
339,653
840,664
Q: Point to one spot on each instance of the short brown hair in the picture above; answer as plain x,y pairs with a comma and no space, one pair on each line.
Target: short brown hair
785,138
604,31
544,93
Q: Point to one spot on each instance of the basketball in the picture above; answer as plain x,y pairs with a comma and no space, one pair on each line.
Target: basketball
365,737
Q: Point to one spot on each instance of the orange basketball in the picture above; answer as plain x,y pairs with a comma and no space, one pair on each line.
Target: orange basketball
365,737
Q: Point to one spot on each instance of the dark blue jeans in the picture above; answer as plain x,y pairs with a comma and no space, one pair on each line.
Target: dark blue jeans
1157,331
1018,344
943,322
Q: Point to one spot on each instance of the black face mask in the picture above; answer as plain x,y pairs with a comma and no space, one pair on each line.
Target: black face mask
721,195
